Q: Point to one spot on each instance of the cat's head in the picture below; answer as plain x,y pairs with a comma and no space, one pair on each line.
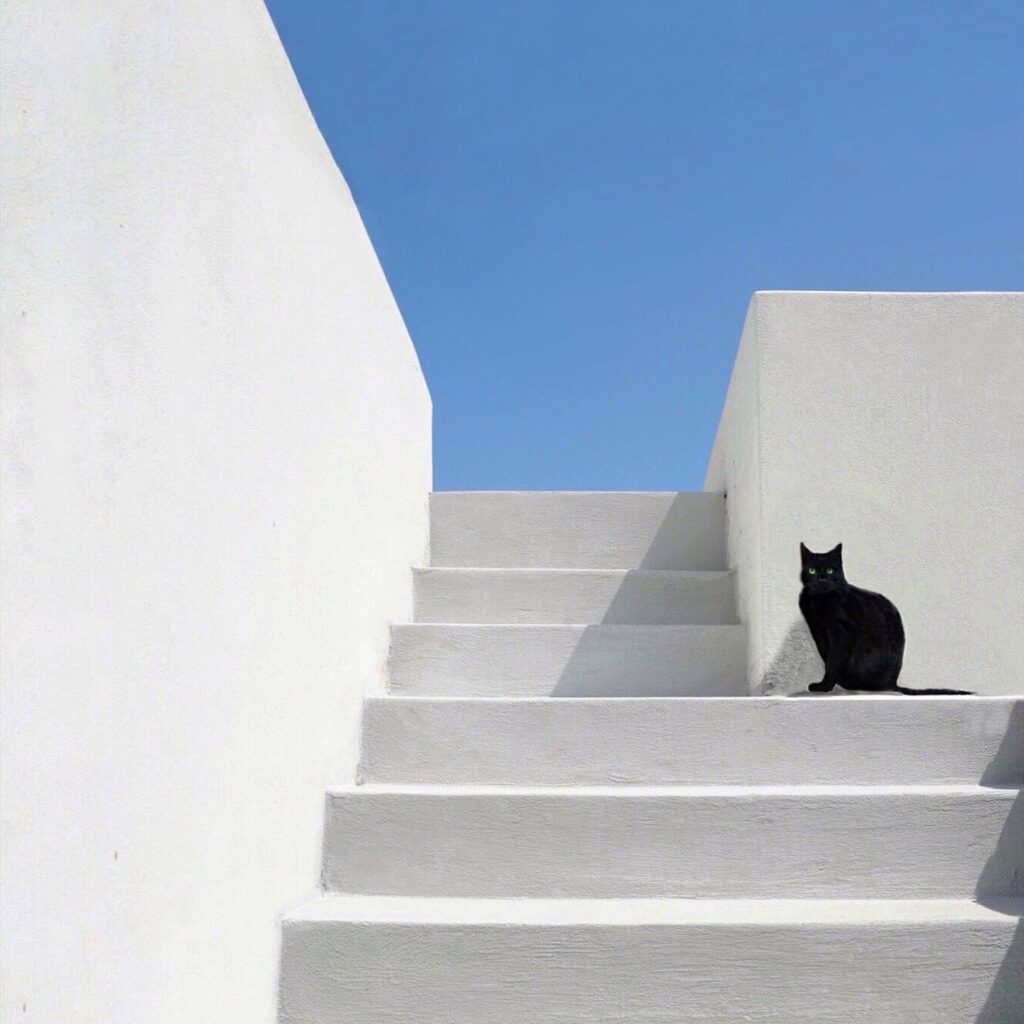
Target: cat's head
820,573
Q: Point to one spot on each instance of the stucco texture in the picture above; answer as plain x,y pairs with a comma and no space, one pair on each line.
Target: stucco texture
893,423
216,461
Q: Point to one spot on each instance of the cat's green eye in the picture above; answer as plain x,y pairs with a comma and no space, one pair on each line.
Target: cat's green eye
811,571
831,571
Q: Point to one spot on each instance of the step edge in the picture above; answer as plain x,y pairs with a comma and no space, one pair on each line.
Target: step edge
697,791
575,493
567,704
578,626
555,570
631,912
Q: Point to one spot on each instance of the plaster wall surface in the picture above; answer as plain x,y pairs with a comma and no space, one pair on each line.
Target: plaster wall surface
893,423
216,461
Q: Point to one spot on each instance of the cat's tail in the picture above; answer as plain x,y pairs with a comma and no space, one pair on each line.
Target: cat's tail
934,693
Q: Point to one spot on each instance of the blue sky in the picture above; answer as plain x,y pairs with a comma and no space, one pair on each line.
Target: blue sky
574,199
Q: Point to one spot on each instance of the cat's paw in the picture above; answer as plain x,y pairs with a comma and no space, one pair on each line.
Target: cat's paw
822,687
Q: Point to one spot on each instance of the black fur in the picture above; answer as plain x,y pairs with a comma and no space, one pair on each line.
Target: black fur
859,634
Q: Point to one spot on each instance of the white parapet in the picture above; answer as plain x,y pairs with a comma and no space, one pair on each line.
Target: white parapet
216,460
893,423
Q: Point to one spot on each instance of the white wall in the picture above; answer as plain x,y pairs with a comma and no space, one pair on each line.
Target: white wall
895,424
216,459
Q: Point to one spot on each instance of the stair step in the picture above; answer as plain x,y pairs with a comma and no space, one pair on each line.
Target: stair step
729,740
565,596
379,960
683,841
567,661
578,529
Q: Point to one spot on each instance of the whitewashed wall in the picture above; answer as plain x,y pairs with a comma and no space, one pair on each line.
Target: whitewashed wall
216,459
895,424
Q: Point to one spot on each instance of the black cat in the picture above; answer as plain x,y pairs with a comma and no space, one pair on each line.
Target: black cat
859,634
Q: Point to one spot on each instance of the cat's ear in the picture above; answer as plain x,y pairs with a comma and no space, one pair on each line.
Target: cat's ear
837,551
804,552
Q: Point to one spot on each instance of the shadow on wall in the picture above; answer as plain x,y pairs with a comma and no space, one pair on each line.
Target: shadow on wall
796,664
662,662
1002,878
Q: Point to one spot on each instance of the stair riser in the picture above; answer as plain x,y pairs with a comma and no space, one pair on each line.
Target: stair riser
746,741
532,596
914,844
554,530
567,661
955,973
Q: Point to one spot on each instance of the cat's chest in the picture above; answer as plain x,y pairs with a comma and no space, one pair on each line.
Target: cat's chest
828,609
846,613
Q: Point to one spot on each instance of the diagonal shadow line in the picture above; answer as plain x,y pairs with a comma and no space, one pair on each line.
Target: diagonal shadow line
1005,1001
713,665
1002,878
795,665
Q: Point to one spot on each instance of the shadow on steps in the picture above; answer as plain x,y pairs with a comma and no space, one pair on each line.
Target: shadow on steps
704,664
1003,878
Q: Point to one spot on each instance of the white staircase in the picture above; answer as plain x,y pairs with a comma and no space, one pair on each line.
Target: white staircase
567,811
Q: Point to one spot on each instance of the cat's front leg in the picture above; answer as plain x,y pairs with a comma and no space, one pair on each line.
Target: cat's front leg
835,662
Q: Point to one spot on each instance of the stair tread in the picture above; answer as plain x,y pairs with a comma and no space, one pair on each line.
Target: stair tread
656,911
598,529
564,741
566,660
